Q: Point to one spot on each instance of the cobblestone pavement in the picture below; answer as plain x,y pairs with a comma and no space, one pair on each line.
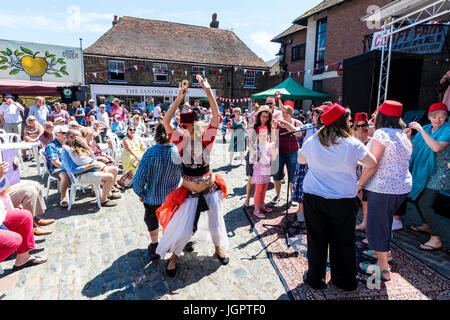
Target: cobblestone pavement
102,254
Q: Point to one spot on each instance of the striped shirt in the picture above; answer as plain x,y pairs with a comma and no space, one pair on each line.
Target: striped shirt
158,174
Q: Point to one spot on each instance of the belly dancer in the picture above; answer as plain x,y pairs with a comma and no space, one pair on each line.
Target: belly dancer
193,211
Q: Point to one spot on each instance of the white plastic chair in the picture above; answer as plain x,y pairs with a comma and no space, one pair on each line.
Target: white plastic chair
76,184
13,138
50,177
117,146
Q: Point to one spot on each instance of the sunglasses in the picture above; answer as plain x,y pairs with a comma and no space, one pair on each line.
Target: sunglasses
361,125
269,103
32,120
131,129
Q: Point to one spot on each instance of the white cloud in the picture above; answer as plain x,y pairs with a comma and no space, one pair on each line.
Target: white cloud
72,20
262,40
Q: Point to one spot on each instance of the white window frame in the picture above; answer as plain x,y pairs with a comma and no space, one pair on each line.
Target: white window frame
164,72
201,71
119,69
250,79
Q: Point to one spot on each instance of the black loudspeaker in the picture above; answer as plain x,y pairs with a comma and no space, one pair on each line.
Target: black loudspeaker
360,80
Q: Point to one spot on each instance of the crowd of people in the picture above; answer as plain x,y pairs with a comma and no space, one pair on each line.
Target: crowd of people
333,163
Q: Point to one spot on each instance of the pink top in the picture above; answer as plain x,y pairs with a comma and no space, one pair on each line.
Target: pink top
114,111
261,168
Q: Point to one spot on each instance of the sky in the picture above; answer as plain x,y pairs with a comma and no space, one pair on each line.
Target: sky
63,23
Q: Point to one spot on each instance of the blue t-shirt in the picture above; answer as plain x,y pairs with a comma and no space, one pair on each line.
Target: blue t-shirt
118,127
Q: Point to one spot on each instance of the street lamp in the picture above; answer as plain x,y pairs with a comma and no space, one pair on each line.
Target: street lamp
280,56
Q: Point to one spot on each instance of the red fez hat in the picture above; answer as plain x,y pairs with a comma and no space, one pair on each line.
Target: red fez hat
334,112
361,116
270,99
437,107
187,118
289,103
262,128
391,108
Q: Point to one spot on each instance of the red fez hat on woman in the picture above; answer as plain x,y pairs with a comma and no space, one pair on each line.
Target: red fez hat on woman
391,108
334,112
361,116
289,103
437,107
187,118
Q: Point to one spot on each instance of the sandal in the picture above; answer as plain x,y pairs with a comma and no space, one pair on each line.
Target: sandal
369,253
31,262
118,187
63,203
109,203
365,267
422,245
416,229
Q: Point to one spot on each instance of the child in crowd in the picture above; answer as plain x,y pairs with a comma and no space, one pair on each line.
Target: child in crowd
265,153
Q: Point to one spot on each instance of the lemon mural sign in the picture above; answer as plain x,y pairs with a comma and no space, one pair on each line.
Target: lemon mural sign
39,62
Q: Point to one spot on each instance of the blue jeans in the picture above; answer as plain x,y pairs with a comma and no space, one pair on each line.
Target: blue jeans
290,160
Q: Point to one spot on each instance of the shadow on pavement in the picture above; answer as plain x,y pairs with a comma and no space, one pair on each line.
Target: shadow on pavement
135,276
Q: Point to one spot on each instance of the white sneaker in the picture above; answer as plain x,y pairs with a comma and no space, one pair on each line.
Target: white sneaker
397,225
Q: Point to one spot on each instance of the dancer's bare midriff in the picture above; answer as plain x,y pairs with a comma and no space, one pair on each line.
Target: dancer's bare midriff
199,186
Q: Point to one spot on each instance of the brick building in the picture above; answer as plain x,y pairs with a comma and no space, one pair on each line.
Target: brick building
144,60
320,39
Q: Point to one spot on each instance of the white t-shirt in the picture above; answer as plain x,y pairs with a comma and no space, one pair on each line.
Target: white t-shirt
10,113
103,117
156,112
332,170
392,175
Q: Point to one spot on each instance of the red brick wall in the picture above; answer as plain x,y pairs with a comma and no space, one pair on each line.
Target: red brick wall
345,30
295,66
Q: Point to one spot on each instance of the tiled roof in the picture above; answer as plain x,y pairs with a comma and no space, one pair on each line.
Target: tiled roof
320,7
168,41
292,29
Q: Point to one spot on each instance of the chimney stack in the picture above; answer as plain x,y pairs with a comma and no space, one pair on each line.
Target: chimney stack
115,20
214,23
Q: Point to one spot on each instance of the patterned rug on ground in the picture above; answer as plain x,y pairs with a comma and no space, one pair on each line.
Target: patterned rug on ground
411,279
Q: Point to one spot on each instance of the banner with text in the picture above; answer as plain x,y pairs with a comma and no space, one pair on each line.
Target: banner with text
40,62
421,39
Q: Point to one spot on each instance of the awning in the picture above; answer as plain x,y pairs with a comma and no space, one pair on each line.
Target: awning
289,88
26,87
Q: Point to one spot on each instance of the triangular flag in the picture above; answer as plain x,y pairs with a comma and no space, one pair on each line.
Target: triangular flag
172,71
220,70
153,69
185,72
95,74
263,72
326,68
136,67
235,69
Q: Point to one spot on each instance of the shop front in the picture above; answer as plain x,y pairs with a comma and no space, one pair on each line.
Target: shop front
143,94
